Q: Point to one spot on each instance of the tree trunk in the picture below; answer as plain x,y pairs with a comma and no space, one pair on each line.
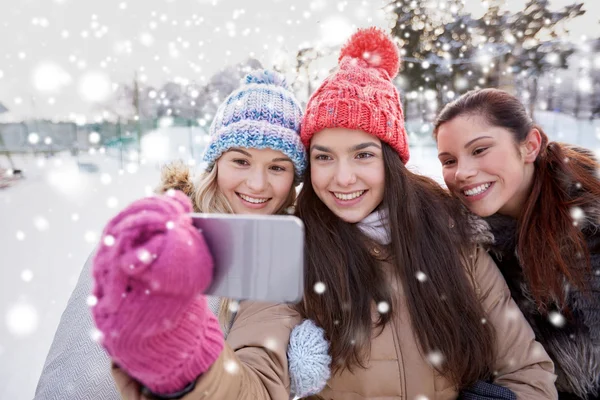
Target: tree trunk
533,94
551,94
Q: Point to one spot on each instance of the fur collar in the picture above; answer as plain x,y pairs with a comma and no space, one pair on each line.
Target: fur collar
178,176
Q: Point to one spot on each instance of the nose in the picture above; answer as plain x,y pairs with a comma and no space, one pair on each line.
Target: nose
465,170
345,175
256,180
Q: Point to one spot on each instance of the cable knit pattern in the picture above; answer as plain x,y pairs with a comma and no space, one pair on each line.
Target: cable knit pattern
259,135
263,113
149,274
308,359
360,95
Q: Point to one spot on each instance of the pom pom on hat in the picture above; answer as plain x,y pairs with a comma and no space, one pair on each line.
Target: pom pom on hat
268,78
376,48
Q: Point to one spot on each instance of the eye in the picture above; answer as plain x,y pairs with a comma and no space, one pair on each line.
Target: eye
322,157
278,168
479,150
364,155
448,162
241,161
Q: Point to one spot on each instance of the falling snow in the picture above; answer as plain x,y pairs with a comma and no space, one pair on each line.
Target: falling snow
48,75
319,288
22,319
234,306
556,319
41,224
91,301
435,358
383,307
109,240
231,366
27,275
577,214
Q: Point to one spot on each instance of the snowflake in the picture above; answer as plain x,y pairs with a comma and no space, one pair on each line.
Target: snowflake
33,138
234,306
271,344
95,86
94,137
577,214
91,300
109,240
49,77
421,277
319,288
556,319
27,275
231,366
435,358
112,202
22,319
383,307
512,313
90,236
41,223
144,256
96,335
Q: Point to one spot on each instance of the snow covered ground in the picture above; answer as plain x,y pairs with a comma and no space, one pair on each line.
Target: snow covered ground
51,220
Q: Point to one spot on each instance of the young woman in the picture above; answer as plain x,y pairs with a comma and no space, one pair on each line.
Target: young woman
541,201
77,367
413,308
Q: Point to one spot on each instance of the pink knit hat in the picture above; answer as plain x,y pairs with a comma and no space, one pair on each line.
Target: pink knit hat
360,95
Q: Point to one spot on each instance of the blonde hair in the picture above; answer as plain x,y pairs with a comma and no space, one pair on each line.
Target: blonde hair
207,198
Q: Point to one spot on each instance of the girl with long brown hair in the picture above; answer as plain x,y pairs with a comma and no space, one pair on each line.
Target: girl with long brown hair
541,200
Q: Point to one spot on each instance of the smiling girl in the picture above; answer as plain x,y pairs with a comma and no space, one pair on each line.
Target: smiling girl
542,202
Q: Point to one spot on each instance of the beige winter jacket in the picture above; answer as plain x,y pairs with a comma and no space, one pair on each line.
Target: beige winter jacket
253,364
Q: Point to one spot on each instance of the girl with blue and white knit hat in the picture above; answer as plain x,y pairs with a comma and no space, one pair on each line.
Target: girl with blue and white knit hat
254,160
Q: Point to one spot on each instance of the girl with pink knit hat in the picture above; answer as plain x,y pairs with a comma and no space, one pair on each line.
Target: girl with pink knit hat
412,306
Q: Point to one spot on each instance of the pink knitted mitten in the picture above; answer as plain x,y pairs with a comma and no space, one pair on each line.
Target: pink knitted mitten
150,271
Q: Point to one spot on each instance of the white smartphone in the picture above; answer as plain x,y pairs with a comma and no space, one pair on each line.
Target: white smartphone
256,257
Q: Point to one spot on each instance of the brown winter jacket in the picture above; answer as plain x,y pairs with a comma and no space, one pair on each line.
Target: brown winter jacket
253,364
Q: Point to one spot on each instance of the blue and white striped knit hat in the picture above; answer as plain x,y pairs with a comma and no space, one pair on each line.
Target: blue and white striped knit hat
262,113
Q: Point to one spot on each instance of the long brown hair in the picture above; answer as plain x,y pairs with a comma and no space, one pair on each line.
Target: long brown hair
551,247
428,232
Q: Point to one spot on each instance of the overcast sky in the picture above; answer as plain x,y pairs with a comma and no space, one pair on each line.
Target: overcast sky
60,57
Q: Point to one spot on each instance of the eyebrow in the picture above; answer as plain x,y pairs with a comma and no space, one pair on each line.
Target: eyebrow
470,142
242,151
351,149
250,155
281,159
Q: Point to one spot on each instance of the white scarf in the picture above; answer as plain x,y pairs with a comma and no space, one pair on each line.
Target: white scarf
377,227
